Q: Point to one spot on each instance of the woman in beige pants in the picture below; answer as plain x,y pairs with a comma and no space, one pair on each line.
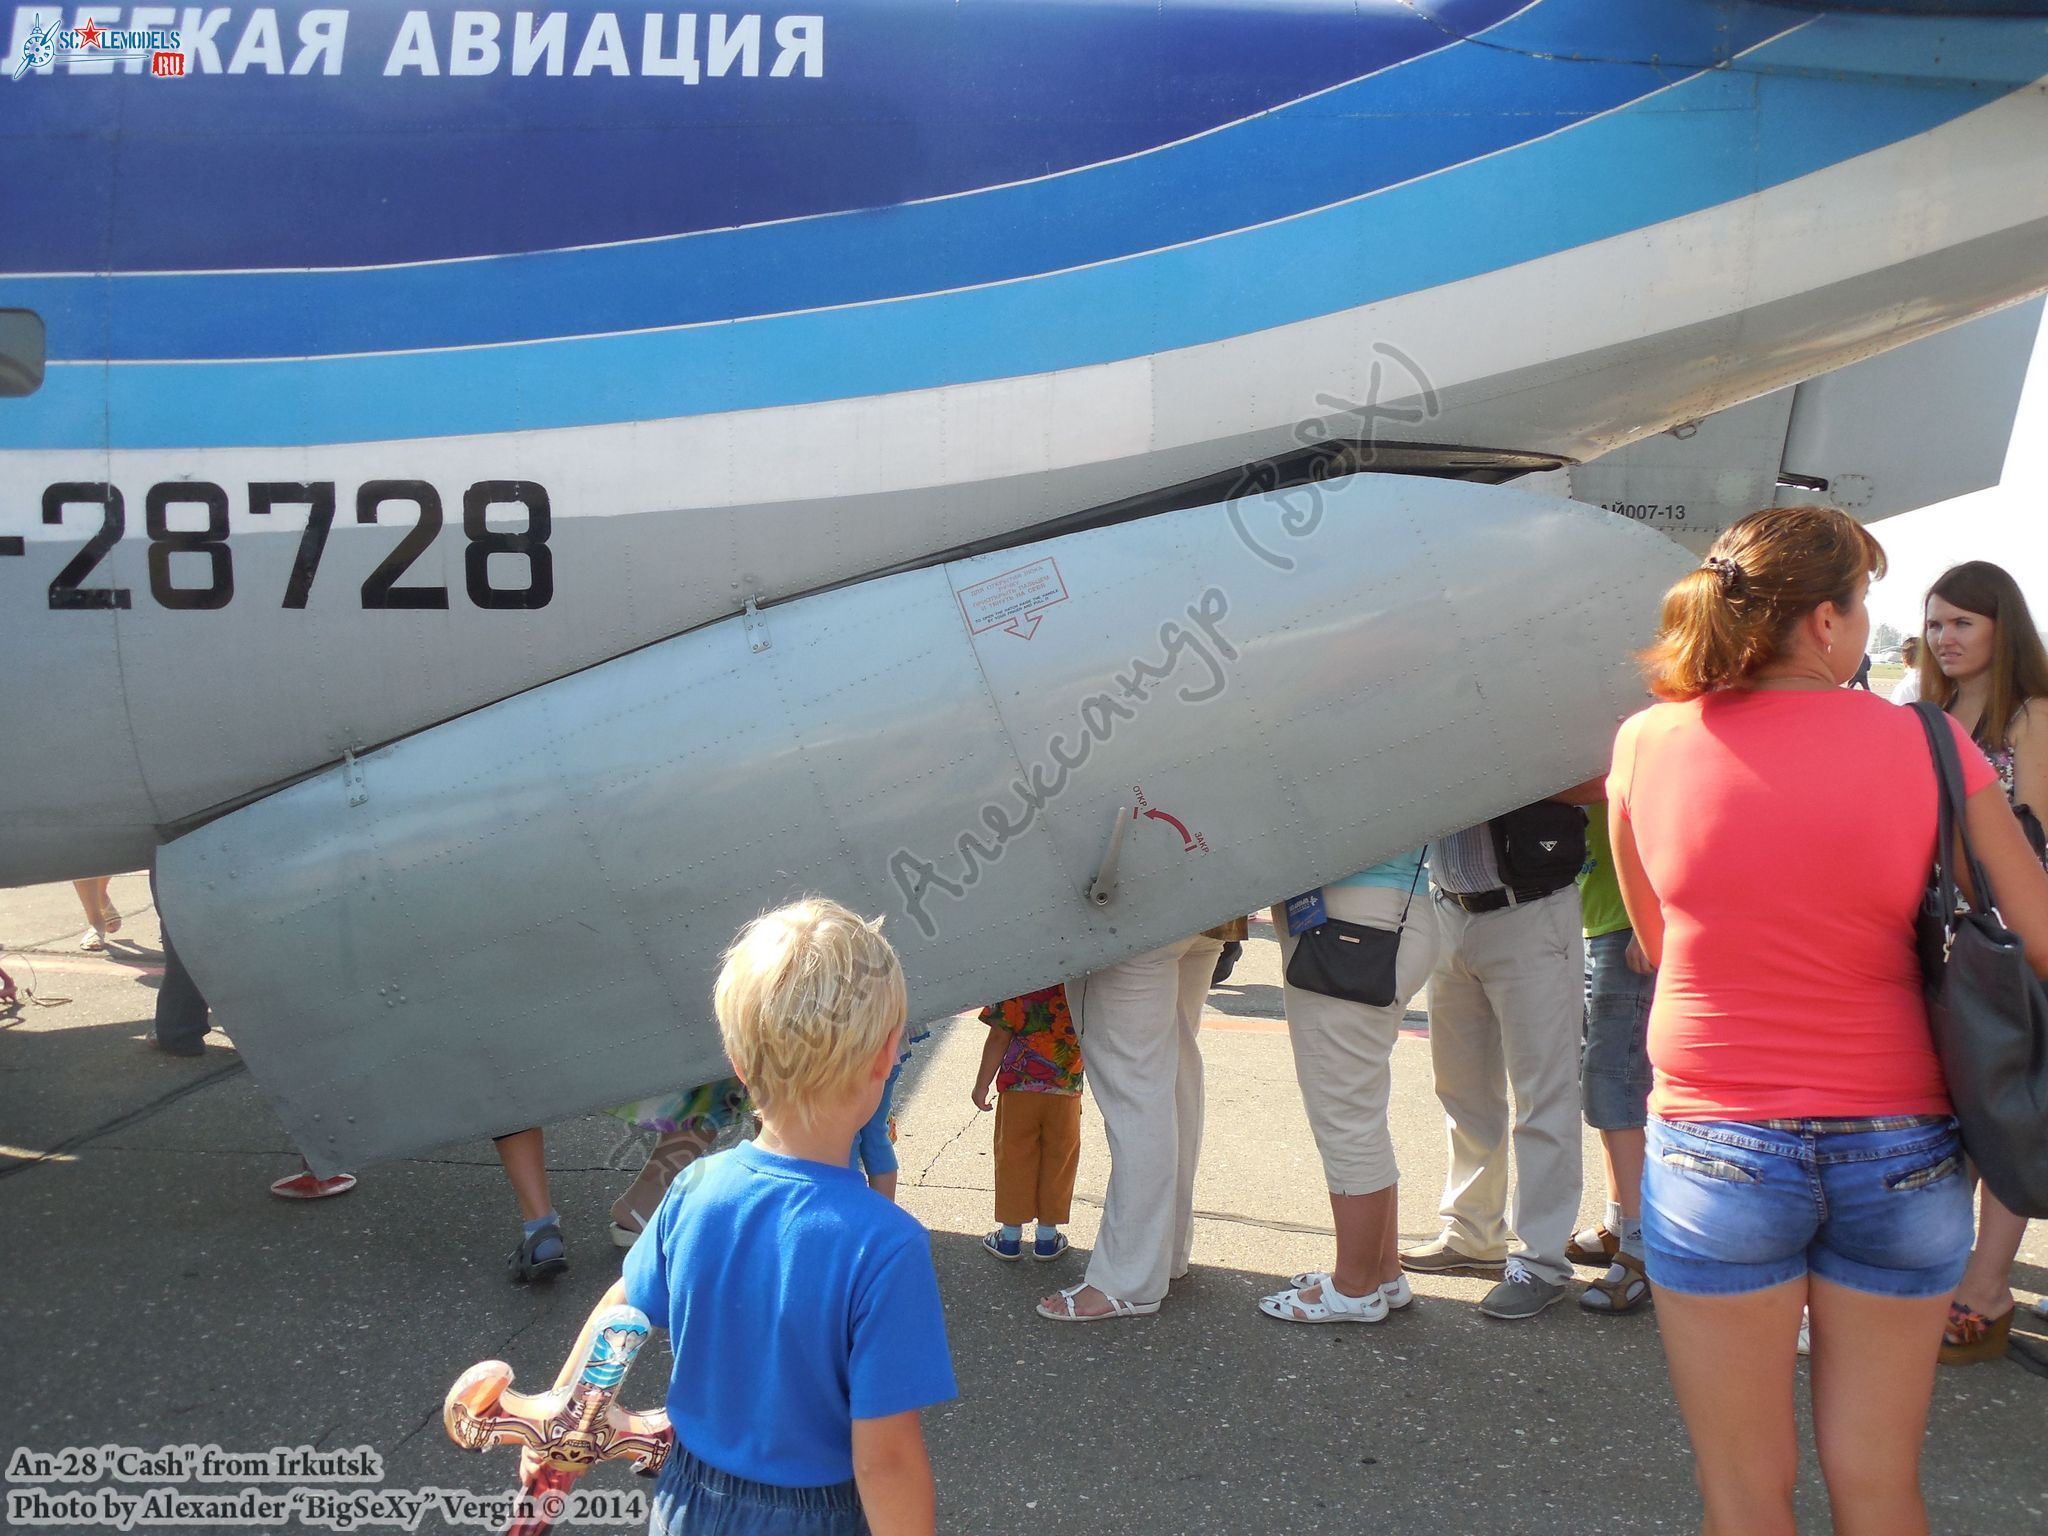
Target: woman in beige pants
1139,1021
1343,1058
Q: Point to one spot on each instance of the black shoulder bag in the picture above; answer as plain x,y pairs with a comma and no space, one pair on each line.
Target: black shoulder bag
1350,960
1539,847
1987,1010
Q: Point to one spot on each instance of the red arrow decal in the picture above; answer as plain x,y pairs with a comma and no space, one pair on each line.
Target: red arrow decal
1030,620
1186,838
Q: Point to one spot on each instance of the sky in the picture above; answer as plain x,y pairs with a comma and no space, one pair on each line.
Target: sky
2007,524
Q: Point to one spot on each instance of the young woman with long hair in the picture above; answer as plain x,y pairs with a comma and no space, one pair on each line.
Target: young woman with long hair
1984,663
1801,1150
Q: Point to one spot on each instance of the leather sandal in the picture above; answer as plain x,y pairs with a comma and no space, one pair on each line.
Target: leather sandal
1971,1336
1396,1293
1065,1313
1334,1306
1618,1296
1595,1246
522,1266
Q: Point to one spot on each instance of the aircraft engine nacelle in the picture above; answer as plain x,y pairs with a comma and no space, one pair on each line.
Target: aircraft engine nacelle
518,914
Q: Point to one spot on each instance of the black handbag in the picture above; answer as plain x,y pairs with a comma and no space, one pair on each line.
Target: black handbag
1986,1008
1350,960
1539,847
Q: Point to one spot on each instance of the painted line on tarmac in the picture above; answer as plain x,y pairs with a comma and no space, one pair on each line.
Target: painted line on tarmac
118,966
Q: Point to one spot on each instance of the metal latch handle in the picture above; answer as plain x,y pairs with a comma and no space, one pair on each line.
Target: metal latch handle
1102,889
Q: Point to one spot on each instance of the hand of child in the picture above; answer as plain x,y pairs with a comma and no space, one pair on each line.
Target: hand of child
980,1095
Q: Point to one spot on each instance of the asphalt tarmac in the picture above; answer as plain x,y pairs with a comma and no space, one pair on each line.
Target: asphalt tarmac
154,1294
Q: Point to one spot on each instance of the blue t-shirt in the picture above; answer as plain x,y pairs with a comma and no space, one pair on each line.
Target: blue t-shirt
796,1300
1401,873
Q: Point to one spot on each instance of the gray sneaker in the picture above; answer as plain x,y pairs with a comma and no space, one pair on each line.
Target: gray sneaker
1438,1257
1521,1294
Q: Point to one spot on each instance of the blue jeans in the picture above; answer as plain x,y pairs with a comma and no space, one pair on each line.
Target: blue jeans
1614,1056
1881,1206
692,1498
872,1149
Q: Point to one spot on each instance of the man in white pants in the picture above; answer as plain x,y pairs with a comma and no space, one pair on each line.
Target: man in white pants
1506,1007
1139,1021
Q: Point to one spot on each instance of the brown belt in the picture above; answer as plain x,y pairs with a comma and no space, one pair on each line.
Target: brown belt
1493,901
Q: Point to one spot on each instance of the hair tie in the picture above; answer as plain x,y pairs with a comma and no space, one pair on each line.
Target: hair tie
1731,574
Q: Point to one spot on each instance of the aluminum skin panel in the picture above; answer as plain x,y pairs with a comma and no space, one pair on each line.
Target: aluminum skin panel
522,917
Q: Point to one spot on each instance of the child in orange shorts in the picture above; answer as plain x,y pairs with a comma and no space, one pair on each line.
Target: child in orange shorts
1033,1059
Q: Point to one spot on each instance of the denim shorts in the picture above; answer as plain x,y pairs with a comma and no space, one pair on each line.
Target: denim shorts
873,1152
695,1499
1882,1206
1614,1055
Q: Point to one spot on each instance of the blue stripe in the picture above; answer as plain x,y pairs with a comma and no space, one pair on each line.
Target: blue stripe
1371,134
916,98
1712,139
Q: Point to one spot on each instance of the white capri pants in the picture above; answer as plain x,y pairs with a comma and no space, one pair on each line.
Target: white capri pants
1343,1051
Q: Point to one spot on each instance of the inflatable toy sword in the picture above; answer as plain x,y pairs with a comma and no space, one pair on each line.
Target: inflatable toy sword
564,1432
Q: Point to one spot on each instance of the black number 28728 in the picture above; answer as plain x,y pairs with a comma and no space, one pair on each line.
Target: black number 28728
189,500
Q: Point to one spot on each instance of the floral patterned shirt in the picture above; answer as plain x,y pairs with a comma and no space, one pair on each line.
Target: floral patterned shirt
1044,1054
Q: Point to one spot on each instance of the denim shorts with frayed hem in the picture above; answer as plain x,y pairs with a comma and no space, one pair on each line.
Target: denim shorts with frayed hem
693,1498
1614,1058
1882,1206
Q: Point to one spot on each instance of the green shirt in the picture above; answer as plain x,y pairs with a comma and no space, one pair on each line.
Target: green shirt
1599,890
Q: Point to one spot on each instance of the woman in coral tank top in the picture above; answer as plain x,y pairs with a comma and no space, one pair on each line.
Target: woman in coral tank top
1773,832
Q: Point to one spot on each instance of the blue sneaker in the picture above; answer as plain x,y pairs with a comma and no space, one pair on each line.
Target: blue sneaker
1005,1248
1043,1250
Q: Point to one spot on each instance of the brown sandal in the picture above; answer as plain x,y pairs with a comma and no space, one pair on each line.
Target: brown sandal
1623,1295
1595,1246
1971,1336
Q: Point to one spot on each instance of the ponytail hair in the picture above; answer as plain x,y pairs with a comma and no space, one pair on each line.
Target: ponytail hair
1736,613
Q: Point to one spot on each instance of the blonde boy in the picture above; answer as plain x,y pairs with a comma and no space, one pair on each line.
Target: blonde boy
802,1309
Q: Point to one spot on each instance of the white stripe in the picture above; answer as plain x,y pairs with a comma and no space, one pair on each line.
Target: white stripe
1093,434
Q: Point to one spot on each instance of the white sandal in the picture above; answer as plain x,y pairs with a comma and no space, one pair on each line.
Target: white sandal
1117,1307
1334,1307
91,941
1396,1293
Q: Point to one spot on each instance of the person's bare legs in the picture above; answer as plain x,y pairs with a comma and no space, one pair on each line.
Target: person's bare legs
671,1154
1732,1365
1873,1379
92,896
1368,1243
1621,1153
1987,1284
524,1156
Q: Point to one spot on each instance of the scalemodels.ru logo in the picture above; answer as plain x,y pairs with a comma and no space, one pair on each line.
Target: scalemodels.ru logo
47,44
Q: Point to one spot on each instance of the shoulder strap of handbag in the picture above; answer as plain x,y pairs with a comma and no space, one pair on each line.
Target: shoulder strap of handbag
1414,882
1953,822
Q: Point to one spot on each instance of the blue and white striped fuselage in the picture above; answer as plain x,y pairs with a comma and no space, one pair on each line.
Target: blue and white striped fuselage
639,316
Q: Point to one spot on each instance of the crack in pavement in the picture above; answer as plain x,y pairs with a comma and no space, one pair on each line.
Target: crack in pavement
502,1352
123,1121
950,1140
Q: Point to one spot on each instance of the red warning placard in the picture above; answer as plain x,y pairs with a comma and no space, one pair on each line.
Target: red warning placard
1013,601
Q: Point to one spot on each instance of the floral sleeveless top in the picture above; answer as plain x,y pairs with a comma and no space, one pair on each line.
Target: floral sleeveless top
2002,763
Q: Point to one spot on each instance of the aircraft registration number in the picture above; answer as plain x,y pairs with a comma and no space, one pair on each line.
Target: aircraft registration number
523,577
